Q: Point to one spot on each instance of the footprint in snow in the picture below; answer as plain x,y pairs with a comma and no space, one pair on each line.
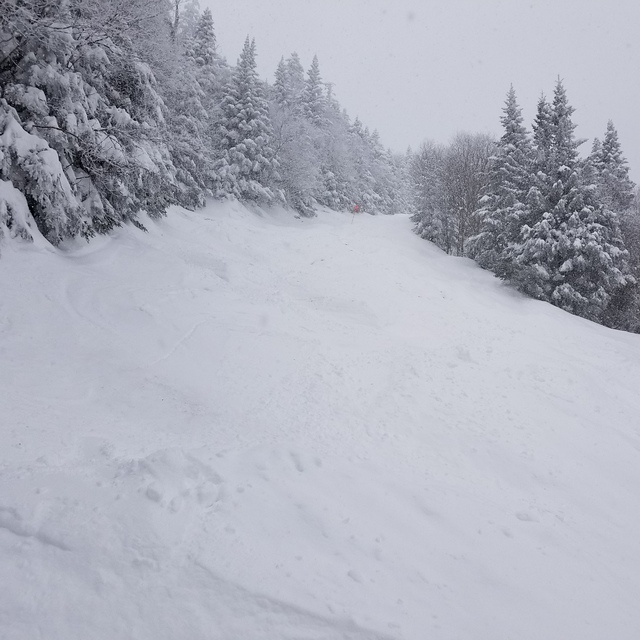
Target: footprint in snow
297,461
174,480
526,517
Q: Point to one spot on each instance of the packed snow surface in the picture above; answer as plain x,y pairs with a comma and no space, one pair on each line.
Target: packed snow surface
246,426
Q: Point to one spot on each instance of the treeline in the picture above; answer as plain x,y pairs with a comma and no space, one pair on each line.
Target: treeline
111,109
561,228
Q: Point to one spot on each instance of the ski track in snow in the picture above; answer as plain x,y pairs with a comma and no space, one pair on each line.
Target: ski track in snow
245,425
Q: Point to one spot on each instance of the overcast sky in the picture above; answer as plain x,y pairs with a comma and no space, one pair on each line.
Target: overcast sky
418,69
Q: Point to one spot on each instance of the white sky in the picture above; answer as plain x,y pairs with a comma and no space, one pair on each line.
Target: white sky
417,69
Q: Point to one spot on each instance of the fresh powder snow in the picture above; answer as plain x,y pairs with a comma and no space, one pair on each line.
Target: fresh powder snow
244,425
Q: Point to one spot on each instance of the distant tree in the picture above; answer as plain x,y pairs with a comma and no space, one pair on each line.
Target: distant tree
464,177
294,138
314,99
295,78
364,153
337,187
611,172
607,168
430,218
189,16
323,157
204,46
543,137
289,85
298,168
281,95
402,201
630,223
628,316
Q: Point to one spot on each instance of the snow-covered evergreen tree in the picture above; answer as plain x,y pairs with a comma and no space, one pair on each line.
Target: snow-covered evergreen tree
503,208
314,98
204,48
464,176
185,80
298,168
294,138
374,188
31,167
16,220
337,187
430,218
296,81
186,135
543,134
611,172
280,89
247,166
189,16
323,157
572,254
631,231
192,83
402,201
289,85
74,85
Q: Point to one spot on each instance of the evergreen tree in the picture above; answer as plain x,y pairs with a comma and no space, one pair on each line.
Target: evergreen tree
294,143
630,223
374,185
204,40
295,78
190,82
189,16
430,219
314,96
611,172
75,86
337,187
543,137
281,93
502,208
572,253
32,176
298,171
289,85
323,158
187,132
212,74
364,184
402,201
247,166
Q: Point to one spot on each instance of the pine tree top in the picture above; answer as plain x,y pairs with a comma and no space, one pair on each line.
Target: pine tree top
515,133
565,145
542,125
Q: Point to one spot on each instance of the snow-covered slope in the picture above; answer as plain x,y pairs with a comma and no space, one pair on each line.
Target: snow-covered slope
249,426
